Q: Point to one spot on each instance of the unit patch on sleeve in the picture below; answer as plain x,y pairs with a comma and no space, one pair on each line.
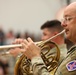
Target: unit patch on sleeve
71,66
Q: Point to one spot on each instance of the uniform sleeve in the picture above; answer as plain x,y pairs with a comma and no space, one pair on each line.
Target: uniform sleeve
39,67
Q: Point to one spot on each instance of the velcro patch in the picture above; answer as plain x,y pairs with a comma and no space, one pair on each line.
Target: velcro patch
71,66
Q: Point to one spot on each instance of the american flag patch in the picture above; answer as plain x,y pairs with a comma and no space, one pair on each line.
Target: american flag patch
71,66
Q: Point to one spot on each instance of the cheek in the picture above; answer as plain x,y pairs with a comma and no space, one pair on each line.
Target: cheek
47,37
73,28
44,37
72,31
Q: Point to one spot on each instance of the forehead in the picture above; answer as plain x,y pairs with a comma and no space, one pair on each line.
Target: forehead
47,30
69,11
50,29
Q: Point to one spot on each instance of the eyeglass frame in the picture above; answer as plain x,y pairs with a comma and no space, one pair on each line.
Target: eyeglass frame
67,19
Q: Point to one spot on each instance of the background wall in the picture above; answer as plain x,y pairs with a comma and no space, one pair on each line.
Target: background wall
22,15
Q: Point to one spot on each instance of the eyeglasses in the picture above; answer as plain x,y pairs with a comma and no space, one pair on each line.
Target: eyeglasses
68,19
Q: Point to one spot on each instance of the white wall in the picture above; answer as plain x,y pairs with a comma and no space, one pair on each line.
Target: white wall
22,15
72,0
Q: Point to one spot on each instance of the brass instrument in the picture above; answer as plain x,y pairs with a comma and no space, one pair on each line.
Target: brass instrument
23,64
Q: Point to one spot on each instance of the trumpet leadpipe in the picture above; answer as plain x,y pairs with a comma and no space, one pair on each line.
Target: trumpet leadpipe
55,35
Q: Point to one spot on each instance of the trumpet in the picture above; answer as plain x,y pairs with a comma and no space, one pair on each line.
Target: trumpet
8,47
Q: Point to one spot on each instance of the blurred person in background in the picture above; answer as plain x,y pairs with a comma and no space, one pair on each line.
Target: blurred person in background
5,63
9,37
3,60
2,70
50,29
2,36
18,35
26,35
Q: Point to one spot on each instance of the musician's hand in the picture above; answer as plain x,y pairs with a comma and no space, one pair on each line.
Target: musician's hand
31,49
17,50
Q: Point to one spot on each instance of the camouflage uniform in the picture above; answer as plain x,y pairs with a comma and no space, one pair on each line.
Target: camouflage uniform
67,67
25,67
63,52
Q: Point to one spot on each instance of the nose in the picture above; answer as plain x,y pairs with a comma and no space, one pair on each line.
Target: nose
63,24
42,38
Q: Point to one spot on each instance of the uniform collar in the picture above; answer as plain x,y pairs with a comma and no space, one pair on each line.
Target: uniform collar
72,49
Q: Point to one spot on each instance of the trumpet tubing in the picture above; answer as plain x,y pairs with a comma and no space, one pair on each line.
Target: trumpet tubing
10,46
